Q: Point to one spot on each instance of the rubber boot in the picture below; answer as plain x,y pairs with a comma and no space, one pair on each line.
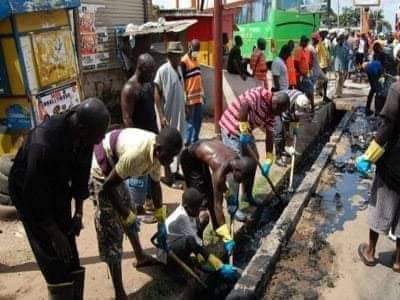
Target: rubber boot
78,277
61,291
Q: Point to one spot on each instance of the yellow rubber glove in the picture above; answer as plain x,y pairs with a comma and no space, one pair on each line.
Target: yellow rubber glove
160,214
130,219
374,152
214,262
201,260
223,232
244,127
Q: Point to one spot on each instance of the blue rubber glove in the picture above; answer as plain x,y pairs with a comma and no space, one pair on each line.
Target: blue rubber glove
265,168
162,236
228,272
245,139
229,246
363,165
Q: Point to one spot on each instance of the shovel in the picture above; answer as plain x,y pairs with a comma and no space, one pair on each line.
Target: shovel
178,261
290,189
254,155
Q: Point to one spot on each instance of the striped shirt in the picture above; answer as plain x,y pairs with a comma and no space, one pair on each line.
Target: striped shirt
288,116
260,115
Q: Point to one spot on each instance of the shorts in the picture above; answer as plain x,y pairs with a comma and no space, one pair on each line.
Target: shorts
108,226
197,175
384,208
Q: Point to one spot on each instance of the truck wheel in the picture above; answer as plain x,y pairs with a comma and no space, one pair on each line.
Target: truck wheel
3,184
6,162
5,199
8,213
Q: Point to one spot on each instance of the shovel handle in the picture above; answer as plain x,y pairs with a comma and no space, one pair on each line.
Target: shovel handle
254,156
292,164
184,266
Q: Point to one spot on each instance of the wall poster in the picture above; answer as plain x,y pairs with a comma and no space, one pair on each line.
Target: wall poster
56,101
54,56
92,38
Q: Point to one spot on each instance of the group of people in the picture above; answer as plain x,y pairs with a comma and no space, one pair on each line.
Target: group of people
75,154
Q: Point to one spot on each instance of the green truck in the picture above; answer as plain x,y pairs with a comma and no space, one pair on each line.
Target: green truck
278,21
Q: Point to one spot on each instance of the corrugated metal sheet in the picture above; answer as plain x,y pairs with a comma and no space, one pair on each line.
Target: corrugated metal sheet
113,14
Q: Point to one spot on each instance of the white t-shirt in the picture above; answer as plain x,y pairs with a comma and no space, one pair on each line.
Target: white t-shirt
180,224
279,68
361,46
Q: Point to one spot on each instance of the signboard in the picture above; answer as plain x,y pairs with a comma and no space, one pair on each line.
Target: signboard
367,2
56,101
21,6
54,56
313,6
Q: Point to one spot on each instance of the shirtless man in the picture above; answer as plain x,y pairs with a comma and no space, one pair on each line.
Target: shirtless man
137,106
196,161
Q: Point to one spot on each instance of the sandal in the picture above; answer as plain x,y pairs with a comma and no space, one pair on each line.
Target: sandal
361,250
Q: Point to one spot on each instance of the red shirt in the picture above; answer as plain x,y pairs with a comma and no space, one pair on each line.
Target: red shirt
291,71
302,56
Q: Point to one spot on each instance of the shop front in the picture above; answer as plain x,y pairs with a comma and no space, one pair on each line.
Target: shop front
39,73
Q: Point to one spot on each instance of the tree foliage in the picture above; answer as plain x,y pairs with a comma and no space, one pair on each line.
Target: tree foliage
350,17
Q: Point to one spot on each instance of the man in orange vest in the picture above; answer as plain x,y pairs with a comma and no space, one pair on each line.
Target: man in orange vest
194,92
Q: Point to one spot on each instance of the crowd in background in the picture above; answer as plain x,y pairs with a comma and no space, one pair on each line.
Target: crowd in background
348,54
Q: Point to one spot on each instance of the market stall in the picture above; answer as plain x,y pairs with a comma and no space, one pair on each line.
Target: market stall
38,65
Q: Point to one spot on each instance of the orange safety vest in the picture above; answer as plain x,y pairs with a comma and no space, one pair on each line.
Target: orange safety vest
193,84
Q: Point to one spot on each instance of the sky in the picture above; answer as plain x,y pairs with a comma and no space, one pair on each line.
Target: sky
389,6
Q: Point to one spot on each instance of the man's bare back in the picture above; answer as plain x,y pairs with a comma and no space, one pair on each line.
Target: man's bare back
213,153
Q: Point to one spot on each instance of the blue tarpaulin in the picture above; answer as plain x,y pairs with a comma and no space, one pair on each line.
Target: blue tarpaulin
10,7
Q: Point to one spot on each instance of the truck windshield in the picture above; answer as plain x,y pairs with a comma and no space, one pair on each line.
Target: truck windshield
256,11
292,5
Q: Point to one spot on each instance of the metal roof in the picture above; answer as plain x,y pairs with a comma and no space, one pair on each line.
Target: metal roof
157,27
12,7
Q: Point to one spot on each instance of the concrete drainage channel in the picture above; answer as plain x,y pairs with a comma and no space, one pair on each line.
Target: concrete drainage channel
259,250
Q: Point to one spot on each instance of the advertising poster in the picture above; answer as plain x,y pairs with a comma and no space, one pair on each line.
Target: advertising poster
92,39
56,101
54,56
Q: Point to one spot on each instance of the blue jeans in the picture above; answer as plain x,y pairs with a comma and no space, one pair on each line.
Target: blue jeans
194,116
138,189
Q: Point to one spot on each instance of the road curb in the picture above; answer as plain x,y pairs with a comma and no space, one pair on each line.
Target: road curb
260,268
